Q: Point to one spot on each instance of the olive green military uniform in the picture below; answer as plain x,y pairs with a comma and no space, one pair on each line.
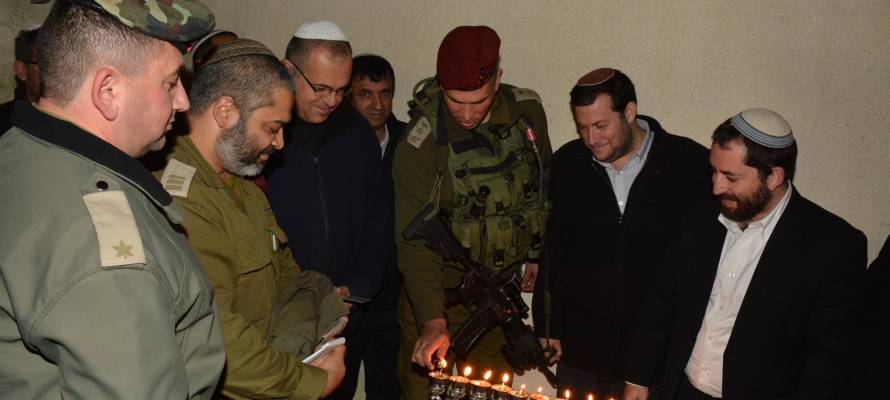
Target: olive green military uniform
504,230
100,296
273,314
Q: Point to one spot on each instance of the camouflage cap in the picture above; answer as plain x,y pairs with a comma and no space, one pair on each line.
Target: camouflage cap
177,21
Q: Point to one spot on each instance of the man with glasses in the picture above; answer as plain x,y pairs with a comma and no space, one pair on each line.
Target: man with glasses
27,76
327,186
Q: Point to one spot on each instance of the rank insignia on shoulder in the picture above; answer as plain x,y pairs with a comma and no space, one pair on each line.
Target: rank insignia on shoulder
419,132
116,230
177,178
522,94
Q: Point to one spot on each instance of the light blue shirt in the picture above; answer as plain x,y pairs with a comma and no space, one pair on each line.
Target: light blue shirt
623,179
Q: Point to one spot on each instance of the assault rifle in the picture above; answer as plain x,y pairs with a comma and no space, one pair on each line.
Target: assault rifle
490,301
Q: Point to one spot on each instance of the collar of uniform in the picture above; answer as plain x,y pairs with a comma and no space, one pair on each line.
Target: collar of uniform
74,139
184,150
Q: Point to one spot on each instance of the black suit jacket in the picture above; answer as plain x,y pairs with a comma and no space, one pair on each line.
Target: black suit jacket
795,326
388,298
870,365
599,261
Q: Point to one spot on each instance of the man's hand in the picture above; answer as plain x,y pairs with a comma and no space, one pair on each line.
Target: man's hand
343,292
557,349
635,392
433,340
332,364
529,277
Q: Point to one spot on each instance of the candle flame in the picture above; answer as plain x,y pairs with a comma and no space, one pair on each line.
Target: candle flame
568,394
442,363
540,389
467,371
589,397
487,375
505,378
522,387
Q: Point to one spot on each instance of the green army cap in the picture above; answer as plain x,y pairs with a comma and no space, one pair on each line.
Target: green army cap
179,22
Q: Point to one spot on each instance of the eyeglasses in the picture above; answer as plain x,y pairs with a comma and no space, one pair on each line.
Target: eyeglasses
324,91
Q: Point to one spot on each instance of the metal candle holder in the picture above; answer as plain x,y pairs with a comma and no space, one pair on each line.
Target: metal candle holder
438,384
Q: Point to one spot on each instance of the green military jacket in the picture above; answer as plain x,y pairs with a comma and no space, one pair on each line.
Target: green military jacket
273,314
417,164
100,296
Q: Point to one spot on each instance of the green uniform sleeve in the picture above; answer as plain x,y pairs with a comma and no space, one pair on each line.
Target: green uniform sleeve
253,368
111,336
414,175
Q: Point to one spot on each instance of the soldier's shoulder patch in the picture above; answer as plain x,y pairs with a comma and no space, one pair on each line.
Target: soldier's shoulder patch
419,132
116,230
522,94
177,178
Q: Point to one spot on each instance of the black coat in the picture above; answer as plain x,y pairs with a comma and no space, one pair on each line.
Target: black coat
794,329
388,298
870,366
329,193
600,261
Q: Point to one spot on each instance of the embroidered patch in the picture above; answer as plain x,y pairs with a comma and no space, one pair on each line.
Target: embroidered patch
177,178
522,94
119,239
419,132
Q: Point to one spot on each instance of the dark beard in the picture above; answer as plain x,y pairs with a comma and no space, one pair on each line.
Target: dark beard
746,207
628,144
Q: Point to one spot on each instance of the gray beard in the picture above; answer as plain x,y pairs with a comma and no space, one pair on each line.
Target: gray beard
237,153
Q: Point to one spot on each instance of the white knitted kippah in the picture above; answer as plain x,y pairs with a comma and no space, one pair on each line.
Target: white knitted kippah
321,30
765,127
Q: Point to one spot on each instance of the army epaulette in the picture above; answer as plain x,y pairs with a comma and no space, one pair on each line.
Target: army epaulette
522,94
419,132
119,240
177,178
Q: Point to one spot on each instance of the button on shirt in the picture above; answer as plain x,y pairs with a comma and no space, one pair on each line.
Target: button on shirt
741,253
623,179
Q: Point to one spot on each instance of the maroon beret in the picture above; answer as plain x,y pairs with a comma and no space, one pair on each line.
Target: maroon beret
468,58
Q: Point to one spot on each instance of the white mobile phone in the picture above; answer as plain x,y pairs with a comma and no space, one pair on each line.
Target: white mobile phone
324,349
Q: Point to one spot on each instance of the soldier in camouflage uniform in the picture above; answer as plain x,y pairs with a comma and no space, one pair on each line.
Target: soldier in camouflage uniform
467,152
101,296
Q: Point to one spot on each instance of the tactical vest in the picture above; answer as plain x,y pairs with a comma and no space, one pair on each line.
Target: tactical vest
498,209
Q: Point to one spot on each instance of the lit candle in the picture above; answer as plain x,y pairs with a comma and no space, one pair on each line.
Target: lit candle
501,391
479,388
458,387
589,397
440,374
438,381
520,394
539,395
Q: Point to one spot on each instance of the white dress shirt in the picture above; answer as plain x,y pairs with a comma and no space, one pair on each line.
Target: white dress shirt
741,253
384,142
